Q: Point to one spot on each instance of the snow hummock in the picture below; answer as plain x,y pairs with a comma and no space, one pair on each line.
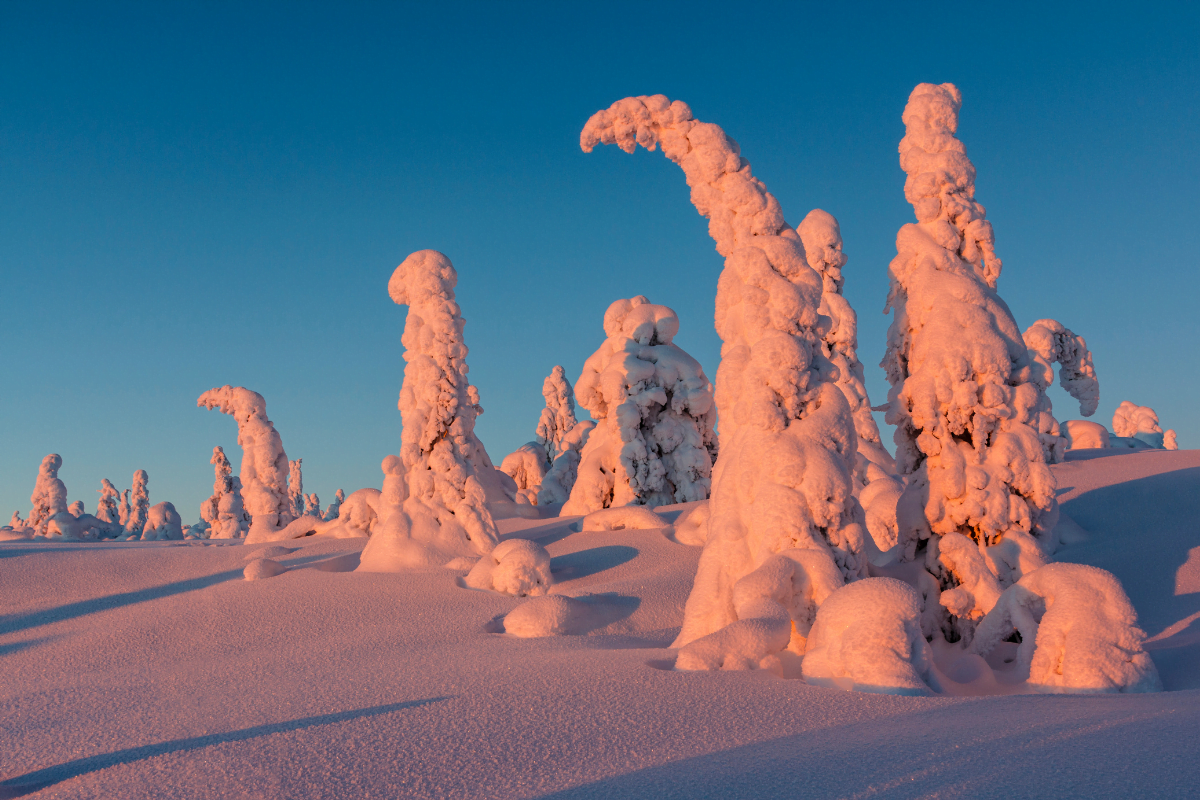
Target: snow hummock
1079,632
974,433
517,567
439,514
653,405
784,478
867,637
162,523
623,517
264,470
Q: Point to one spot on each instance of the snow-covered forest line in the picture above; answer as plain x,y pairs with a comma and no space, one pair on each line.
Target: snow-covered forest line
824,556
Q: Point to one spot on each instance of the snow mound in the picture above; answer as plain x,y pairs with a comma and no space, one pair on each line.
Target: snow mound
517,566
653,406
1131,421
163,524
439,513
1082,434
625,517
1078,631
867,637
692,526
271,551
264,470
560,615
261,568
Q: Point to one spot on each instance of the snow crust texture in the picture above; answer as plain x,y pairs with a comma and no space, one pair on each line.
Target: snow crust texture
433,509
788,447
264,470
653,442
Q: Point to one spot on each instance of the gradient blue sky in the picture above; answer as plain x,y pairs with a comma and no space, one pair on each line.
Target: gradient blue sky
200,194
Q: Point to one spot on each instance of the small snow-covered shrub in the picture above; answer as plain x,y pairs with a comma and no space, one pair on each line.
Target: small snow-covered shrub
76,509
312,505
654,415
1131,421
1081,434
527,466
1079,632
162,523
622,518
262,568
264,470
335,508
443,516
516,566
692,526
788,447
867,637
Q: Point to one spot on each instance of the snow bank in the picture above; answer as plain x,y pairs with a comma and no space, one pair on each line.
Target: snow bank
653,406
49,494
788,448
162,524
225,511
264,471
1131,421
974,432
1081,434
261,568
1078,631
516,566
443,514
867,637
624,517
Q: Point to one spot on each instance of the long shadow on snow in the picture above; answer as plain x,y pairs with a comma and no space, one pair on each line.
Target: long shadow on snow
582,563
40,779
21,622
1027,747
1142,531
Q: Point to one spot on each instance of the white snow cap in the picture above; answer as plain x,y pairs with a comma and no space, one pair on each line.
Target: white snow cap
867,637
1132,421
653,406
516,566
1079,632
49,494
225,510
784,479
264,471
974,430
444,515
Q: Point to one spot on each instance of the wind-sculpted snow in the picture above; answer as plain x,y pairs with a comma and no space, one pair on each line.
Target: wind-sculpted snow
225,511
264,471
441,515
974,432
653,406
1079,632
788,447
1140,423
49,494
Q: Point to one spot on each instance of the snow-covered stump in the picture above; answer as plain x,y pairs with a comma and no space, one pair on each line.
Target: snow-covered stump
264,470
1078,630
442,519
225,510
1049,342
971,418
784,477
49,494
653,405
1138,427
867,637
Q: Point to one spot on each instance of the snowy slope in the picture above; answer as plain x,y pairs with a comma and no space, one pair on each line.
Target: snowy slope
154,670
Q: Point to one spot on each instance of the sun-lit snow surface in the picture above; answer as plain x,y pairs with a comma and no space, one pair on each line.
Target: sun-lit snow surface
436,509
653,405
783,481
154,670
264,471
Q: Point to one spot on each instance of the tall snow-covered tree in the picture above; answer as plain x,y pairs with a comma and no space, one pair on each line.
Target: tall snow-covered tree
107,507
49,494
139,506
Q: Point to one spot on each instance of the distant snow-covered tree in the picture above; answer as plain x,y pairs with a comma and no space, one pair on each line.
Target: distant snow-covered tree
49,494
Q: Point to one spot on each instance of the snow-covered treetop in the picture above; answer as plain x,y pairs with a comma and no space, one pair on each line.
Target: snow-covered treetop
822,237
558,417
1130,419
1051,342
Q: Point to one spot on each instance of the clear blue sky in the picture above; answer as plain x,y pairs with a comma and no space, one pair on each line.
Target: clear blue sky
200,194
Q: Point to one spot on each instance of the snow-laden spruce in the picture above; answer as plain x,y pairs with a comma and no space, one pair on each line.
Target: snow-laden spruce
264,470
1139,427
653,406
49,494
139,507
107,508
1049,342
225,511
968,410
554,453
782,487
436,512
296,487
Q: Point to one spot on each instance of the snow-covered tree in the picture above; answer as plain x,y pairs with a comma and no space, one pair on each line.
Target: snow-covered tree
296,487
1140,423
784,528
106,508
264,470
335,508
441,516
312,505
1049,342
49,494
139,506
225,510
654,413
529,464
123,510
162,523
558,417
76,509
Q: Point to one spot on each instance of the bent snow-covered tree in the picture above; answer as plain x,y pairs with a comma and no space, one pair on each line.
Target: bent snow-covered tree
654,413
264,471
438,515
784,528
1049,343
